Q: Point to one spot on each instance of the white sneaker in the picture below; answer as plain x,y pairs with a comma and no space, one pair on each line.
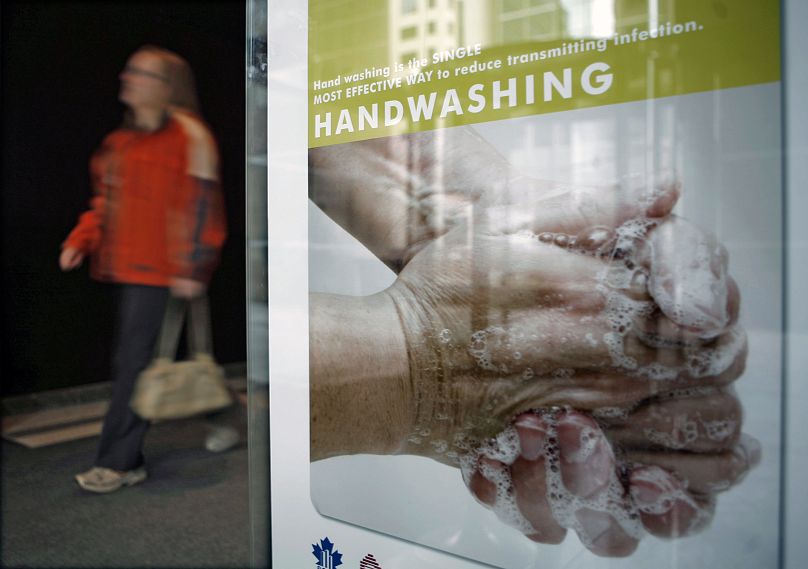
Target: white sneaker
220,439
102,480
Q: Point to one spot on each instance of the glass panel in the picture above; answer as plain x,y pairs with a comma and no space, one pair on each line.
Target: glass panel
541,260
257,281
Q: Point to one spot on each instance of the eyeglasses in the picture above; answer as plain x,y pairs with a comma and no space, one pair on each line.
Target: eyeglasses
143,73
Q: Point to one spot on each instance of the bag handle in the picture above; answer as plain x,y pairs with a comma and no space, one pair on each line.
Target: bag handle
199,335
199,332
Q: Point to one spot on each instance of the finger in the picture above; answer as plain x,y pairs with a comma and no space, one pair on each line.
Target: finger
733,302
723,357
663,358
584,208
517,494
543,343
579,455
530,489
534,272
548,339
666,508
586,458
483,489
530,482
657,330
610,393
588,470
710,423
726,354
609,397
532,429
493,486
602,534
705,473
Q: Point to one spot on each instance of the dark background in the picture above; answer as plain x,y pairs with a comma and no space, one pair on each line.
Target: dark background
59,66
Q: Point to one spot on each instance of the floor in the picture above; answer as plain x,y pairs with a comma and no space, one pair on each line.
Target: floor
192,511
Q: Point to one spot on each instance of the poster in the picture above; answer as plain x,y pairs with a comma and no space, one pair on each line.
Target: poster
533,221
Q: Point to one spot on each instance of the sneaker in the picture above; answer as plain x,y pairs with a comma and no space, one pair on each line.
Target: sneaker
102,480
220,439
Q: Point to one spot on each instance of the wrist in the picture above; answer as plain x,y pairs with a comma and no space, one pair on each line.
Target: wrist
435,359
359,376
461,396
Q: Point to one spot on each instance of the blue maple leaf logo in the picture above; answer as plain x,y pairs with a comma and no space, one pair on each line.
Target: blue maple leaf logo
325,552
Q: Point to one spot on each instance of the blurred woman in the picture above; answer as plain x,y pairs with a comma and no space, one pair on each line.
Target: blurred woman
155,228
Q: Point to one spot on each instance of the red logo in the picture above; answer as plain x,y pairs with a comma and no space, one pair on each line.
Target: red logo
369,562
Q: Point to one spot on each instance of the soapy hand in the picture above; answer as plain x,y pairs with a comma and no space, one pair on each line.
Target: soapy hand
569,348
559,469
557,309
522,309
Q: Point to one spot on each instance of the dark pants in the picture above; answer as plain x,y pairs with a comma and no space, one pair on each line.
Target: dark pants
140,315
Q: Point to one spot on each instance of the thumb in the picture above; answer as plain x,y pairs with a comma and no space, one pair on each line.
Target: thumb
689,279
581,208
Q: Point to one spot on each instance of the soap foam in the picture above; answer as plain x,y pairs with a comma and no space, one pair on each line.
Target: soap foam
700,305
564,505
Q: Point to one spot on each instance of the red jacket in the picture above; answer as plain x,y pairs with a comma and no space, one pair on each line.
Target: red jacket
157,210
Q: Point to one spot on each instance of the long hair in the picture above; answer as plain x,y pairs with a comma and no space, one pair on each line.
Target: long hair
180,78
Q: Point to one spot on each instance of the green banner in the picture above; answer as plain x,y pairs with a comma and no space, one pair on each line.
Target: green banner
379,68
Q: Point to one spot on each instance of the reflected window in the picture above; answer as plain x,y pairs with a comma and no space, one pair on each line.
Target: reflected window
513,5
